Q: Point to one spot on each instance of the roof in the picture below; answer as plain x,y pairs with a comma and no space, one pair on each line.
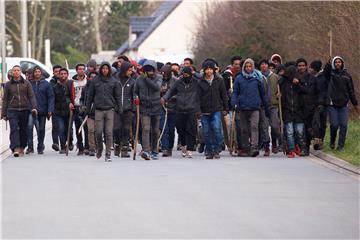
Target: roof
144,26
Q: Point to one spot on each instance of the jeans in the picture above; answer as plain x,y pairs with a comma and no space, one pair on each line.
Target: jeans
78,119
91,133
54,129
150,132
339,117
63,125
122,125
238,129
212,132
249,129
39,122
168,138
18,121
274,122
308,124
319,123
187,129
104,122
295,132
264,129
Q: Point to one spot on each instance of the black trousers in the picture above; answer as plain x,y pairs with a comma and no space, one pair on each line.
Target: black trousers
186,128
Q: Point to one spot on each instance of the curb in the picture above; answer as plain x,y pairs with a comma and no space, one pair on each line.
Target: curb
336,161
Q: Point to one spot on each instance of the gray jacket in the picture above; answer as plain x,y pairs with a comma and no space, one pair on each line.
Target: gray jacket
148,90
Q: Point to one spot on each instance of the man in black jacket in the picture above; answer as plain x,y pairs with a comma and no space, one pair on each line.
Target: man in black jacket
340,92
213,103
123,118
104,93
187,105
54,128
309,98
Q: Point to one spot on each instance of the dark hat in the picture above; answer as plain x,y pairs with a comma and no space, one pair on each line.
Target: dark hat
187,70
209,64
92,63
316,65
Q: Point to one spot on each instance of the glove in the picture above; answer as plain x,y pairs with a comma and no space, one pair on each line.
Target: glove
137,101
34,112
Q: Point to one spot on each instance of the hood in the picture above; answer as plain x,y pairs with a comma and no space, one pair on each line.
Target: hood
109,66
166,69
333,62
247,75
151,63
124,67
290,72
275,56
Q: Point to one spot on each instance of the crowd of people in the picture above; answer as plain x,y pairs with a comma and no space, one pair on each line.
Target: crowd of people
245,108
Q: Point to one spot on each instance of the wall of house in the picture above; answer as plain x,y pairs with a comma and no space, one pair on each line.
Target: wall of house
174,36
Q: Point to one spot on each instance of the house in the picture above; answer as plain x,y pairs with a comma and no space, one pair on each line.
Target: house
166,35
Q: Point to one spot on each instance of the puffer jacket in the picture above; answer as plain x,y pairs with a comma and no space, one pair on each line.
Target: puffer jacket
148,91
126,85
168,83
17,96
310,97
104,92
64,95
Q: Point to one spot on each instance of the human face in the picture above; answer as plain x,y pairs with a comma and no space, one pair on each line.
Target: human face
209,72
129,72
150,73
312,71
187,63
175,68
56,72
236,64
63,76
37,74
249,67
120,61
264,67
338,64
80,70
301,67
105,70
16,73
271,68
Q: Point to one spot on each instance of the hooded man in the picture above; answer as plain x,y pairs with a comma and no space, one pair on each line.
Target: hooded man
104,94
124,116
167,140
213,103
147,95
18,93
45,102
187,105
54,127
292,114
276,59
248,97
79,110
340,92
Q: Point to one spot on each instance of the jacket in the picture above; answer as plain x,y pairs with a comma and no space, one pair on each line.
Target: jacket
213,97
126,86
148,91
17,96
79,86
44,96
84,99
104,92
309,98
187,98
64,95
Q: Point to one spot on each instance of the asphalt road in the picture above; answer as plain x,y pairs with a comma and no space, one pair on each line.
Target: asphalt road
53,196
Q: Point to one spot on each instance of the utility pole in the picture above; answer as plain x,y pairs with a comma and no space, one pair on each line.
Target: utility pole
24,28
2,41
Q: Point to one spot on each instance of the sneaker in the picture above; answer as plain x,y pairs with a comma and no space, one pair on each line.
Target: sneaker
242,153
16,152
91,153
62,151
183,151
291,154
340,149
201,148
125,154
167,153
332,145
117,150
154,156
297,149
21,152
303,153
86,152
267,152
71,147
108,158
98,153
55,147
274,148
188,154
255,153
40,151
216,156
80,152
29,150
145,155
209,156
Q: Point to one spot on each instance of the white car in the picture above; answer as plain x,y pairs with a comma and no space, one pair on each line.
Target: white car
25,64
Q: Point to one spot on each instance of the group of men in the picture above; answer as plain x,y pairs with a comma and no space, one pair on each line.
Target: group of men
247,108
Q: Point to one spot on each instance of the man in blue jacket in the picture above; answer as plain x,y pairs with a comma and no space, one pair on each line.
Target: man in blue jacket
248,97
45,102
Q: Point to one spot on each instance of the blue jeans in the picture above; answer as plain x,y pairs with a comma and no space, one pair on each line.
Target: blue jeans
295,132
167,140
212,132
62,123
339,117
18,128
39,122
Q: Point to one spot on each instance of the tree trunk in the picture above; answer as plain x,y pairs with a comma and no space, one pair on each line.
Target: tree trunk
97,27
44,21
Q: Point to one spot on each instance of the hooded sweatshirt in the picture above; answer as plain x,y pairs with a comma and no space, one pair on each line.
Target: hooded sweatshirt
126,85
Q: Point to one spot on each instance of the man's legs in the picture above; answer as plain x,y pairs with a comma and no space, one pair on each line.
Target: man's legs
30,140
275,128
264,131
254,132
91,135
244,130
343,122
41,133
334,125
99,128
109,126
216,129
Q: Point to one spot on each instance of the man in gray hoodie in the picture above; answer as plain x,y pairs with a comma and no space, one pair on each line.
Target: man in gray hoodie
147,95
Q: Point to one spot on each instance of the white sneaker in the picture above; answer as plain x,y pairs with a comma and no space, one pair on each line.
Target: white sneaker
188,154
183,151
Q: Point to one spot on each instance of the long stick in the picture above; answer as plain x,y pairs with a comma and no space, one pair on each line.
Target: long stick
163,130
69,132
82,124
137,130
284,146
331,42
232,133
